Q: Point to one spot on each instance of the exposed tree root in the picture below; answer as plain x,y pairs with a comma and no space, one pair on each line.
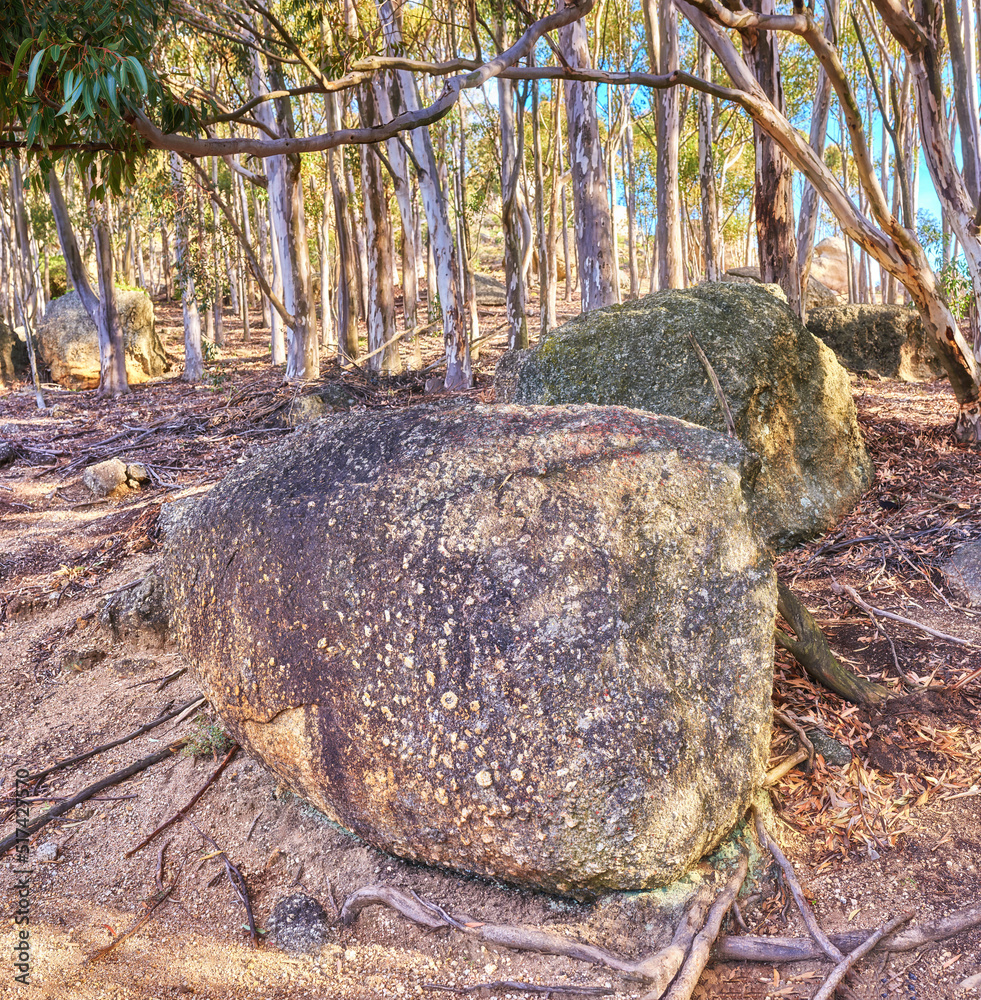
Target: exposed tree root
698,956
811,650
841,969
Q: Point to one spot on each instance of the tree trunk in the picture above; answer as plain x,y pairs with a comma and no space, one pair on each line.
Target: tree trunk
706,171
511,149
347,313
403,195
594,227
630,183
774,177
193,359
380,252
456,343
661,23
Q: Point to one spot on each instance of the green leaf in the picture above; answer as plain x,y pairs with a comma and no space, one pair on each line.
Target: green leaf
89,99
19,58
109,83
33,69
140,75
69,83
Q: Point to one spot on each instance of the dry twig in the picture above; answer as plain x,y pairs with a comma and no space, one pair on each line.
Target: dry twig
86,793
238,884
512,984
190,805
35,779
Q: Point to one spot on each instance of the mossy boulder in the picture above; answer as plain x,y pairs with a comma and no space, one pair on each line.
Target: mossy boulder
530,643
888,340
789,396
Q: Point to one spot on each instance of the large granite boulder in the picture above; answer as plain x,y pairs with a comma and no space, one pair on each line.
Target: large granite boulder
14,362
886,339
532,643
789,397
70,344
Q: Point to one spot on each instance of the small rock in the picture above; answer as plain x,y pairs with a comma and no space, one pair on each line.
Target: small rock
47,852
830,749
971,983
7,453
963,572
337,398
298,923
137,471
105,477
77,660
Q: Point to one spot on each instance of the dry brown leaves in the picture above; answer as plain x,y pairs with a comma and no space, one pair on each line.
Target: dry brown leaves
923,747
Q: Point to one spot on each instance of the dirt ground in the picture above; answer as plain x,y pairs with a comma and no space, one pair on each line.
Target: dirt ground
888,819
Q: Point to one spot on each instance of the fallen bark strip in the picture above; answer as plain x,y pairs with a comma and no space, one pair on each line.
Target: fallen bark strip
86,793
841,969
159,721
790,877
512,984
701,948
749,948
811,650
852,595
190,805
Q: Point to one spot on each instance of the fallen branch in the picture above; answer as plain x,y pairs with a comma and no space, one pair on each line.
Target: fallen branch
687,979
811,650
190,805
852,595
86,793
790,877
36,779
238,884
511,984
716,386
749,948
841,969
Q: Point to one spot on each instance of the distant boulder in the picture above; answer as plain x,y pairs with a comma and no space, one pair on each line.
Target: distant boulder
829,265
790,398
889,340
529,643
818,294
14,363
490,290
70,344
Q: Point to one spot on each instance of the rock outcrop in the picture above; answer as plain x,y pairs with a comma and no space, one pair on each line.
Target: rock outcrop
70,344
789,397
888,340
531,643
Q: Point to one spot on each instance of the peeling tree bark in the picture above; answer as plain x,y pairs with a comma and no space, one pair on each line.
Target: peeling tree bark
706,172
511,149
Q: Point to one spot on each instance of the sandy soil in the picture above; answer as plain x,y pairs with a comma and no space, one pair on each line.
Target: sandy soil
896,828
